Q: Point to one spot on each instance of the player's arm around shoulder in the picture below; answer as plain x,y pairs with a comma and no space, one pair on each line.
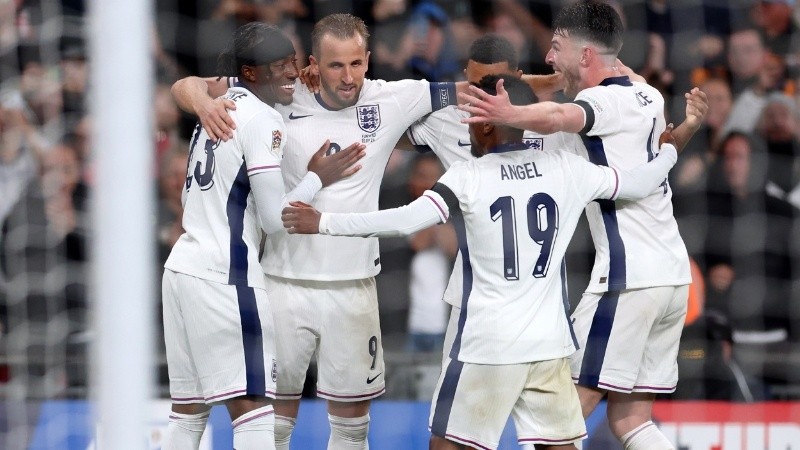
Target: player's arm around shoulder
202,97
544,117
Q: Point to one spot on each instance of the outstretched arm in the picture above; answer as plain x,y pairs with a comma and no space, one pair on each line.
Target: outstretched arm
200,97
428,210
544,117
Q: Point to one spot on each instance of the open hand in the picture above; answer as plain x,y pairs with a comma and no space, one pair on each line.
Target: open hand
696,107
214,117
338,165
484,107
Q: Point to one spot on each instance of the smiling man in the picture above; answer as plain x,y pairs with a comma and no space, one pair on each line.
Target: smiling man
218,324
629,320
328,300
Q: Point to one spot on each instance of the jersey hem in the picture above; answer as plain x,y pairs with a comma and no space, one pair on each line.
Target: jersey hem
317,277
599,289
218,278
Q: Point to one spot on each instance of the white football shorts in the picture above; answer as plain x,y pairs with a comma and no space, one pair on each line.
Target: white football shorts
628,340
473,402
336,320
219,338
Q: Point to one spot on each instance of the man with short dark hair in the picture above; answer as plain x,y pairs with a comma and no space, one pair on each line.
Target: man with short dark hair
218,325
629,320
514,211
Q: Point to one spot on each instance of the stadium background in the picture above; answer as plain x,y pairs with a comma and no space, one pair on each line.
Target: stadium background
737,212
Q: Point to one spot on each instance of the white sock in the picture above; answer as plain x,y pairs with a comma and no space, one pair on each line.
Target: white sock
348,433
255,430
283,431
184,431
527,447
646,436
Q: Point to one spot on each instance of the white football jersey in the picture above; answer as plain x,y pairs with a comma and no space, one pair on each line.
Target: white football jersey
514,213
380,117
223,231
637,243
444,134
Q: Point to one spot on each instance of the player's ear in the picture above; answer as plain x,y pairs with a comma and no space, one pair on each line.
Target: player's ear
586,56
366,61
487,128
248,73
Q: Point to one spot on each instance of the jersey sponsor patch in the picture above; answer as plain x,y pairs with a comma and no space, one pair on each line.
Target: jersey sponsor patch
369,117
276,141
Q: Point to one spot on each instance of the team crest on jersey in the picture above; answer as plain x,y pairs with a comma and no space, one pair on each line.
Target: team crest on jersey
276,140
534,143
369,117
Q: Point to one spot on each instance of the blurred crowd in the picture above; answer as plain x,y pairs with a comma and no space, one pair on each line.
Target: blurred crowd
736,188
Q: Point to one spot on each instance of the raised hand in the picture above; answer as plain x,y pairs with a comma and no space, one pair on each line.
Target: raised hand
300,218
696,107
341,164
484,107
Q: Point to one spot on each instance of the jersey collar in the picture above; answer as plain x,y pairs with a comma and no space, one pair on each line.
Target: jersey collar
621,81
510,147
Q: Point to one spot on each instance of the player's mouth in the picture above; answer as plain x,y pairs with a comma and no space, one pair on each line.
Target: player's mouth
288,88
348,90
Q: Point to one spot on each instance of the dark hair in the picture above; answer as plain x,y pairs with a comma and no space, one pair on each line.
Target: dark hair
519,93
595,22
340,26
491,49
253,44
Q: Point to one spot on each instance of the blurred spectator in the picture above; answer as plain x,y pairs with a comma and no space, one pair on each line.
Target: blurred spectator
720,104
746,55
391,21
18,151
748,257
750,102
430,268
778,126
774,19
428,45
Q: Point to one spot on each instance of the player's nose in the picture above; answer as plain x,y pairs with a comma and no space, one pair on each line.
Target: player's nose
347,76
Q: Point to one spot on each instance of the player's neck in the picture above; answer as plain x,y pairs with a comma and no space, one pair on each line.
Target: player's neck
596,75
250,87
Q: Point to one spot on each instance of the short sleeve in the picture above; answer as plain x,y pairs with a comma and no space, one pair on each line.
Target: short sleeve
262,140
602,114
420,97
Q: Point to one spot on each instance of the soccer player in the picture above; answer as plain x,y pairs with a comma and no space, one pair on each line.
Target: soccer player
514,212
218,325
329,302
629,320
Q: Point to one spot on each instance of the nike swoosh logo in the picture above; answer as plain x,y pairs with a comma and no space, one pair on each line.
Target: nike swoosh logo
370,380
461,144
293,117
